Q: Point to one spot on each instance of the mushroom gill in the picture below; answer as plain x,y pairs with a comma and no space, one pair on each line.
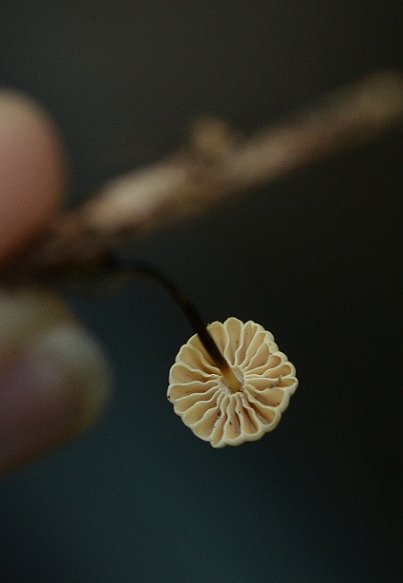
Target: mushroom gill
237,402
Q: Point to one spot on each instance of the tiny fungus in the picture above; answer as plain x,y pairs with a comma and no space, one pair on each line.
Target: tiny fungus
229,383
241,396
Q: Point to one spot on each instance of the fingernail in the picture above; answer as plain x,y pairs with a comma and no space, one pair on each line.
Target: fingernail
57,387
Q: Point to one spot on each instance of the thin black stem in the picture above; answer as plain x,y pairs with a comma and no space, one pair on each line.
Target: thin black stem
193,316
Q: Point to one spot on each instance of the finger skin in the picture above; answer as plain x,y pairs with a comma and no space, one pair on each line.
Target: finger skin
32,172
54,381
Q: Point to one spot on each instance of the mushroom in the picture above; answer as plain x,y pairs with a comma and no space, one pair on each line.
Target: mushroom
239,397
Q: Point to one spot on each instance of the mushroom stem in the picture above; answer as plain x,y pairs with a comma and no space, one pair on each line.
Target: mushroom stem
188,309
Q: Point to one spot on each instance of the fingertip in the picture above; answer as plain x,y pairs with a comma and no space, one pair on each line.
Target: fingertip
55,381
32,171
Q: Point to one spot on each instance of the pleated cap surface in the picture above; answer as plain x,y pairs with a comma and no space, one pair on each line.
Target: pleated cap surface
213,411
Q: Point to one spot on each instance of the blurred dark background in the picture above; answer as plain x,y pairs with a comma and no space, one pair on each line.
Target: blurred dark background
314,257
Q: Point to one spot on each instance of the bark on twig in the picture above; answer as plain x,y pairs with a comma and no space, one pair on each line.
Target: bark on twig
213,166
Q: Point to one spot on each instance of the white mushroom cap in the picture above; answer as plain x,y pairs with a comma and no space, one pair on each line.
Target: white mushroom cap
209,407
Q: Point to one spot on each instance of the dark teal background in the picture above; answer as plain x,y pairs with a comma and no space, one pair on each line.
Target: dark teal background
314,257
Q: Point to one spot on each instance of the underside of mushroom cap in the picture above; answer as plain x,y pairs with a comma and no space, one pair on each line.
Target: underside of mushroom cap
212,409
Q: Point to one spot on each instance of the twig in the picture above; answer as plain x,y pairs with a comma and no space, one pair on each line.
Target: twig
214,165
